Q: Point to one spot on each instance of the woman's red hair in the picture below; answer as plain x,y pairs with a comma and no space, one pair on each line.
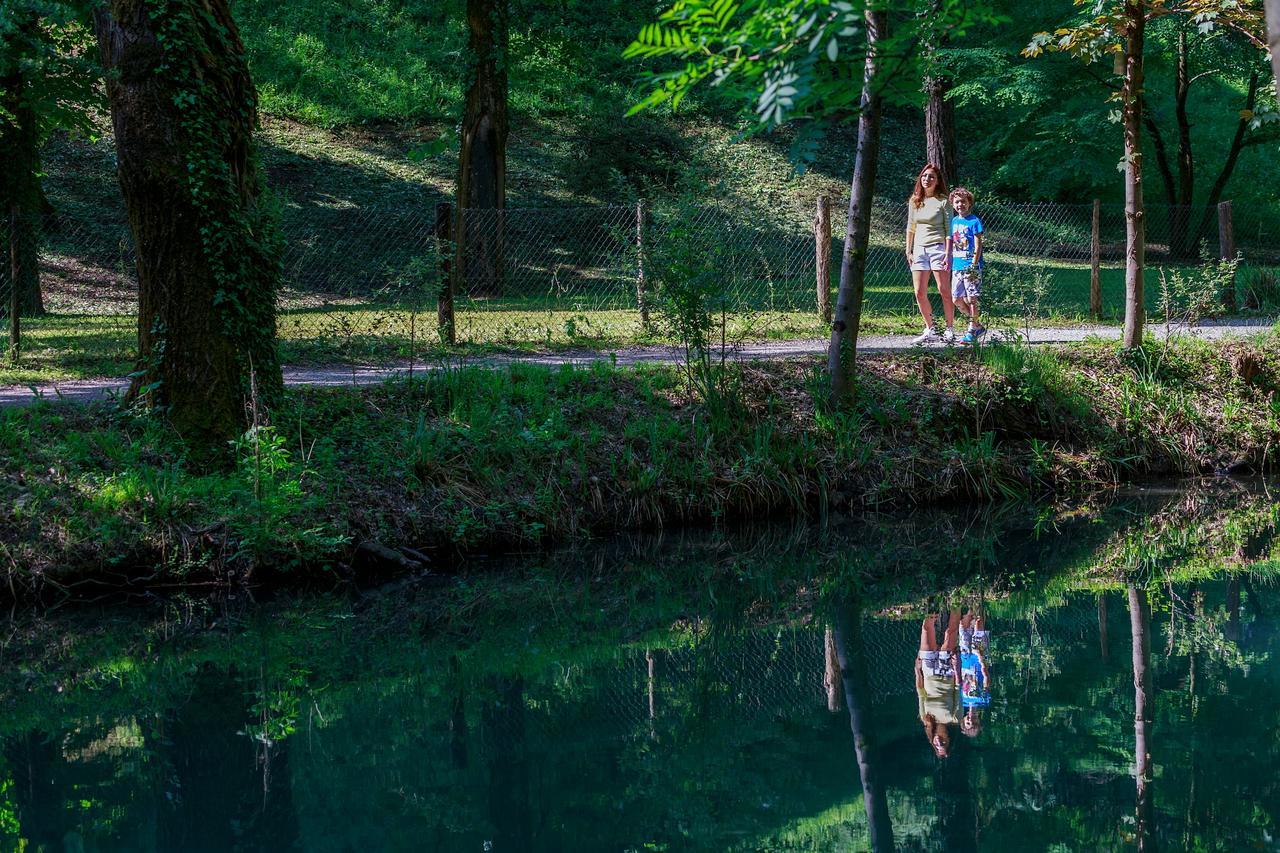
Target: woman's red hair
939,189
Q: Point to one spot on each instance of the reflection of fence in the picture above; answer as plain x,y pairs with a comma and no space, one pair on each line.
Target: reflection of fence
360,277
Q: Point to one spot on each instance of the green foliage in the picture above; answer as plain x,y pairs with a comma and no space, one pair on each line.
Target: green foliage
49,42
785,62
692,298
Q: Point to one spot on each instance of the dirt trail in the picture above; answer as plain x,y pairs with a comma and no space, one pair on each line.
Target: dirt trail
87,390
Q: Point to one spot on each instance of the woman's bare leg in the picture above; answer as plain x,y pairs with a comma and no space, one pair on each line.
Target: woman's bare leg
929,634
952,641
943,277
921,280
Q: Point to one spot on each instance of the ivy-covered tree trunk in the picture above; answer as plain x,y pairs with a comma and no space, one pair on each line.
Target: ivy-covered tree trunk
20,195
482,162
843,350
1134,215
940,128
184,109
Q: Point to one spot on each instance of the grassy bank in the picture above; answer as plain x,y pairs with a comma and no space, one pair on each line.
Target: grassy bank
410,473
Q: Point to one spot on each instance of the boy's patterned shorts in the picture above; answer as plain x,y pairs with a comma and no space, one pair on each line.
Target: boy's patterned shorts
966,283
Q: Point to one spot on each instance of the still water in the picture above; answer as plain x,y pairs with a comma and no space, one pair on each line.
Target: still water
758,689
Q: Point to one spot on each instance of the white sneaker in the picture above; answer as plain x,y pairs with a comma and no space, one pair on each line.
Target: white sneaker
928,336
949,336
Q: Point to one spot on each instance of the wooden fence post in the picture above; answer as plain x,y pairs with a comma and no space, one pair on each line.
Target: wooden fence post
444,253
1227,251
642,289
822,246
15,279
1095,260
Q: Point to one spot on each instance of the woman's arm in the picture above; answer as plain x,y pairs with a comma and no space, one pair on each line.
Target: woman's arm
911,236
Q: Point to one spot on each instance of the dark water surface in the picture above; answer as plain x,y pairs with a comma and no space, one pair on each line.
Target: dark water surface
752,690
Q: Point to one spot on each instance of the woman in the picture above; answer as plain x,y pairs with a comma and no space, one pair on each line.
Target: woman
929,250
938,681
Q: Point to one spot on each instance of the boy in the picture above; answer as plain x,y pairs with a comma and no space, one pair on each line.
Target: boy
966,261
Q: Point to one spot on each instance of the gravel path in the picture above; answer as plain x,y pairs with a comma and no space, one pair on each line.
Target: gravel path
87,390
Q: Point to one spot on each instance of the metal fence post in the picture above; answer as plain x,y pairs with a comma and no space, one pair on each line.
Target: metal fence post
822,246
1227,251
1095,259
444,254
642,289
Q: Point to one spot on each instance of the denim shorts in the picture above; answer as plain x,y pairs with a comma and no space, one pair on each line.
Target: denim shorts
966,283
929,257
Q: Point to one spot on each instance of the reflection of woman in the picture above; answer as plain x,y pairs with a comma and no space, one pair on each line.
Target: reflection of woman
938,681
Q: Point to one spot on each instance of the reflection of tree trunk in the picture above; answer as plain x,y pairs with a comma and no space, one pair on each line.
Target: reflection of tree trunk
458,717
1103,644
211,781
831,673
1233,610
1143,715
38,794
274,825
509,807
851,658
482,162
651,681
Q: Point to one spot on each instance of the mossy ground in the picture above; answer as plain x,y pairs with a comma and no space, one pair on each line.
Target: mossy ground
487,459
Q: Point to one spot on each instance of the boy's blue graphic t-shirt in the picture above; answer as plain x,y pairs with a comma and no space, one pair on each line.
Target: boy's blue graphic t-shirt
973,686
964,239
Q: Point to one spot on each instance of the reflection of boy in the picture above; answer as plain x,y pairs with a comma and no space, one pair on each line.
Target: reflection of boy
975,693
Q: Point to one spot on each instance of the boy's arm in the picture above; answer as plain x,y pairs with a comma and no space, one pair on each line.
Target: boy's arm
977,249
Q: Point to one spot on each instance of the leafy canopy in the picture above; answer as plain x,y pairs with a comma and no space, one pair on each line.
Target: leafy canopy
49,43
789,60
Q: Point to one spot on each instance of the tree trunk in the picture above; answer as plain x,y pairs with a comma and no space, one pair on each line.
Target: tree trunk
1273,38
184,109
1143,715
482,162
940,128
852,660
1135,221
1182,245
20,194
853,263
1229,165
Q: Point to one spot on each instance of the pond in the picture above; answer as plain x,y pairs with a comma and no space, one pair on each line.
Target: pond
755,688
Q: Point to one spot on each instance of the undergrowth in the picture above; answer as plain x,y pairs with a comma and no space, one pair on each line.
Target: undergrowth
463,459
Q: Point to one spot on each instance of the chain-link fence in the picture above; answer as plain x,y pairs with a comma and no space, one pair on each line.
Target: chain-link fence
368,282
